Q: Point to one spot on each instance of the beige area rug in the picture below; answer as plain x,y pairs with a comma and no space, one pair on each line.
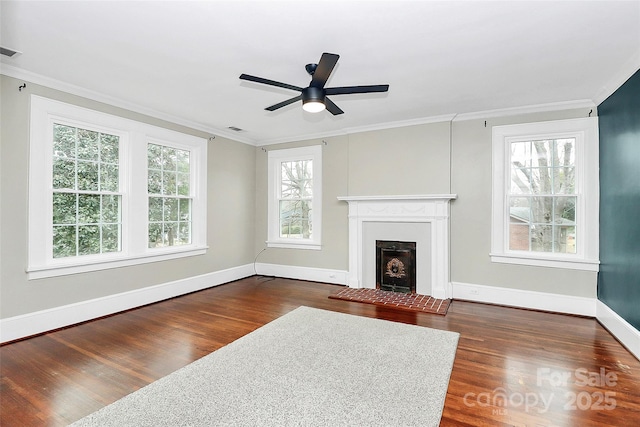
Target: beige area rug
309,367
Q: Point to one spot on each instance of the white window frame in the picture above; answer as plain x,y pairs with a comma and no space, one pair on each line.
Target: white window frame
133,189
275,159
587,191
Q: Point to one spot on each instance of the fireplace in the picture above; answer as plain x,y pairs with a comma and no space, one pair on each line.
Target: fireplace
396,266
423,219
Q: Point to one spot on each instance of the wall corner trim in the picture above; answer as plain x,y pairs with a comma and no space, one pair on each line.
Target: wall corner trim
619,328
22,326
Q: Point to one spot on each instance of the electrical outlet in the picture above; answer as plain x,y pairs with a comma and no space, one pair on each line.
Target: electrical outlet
474,291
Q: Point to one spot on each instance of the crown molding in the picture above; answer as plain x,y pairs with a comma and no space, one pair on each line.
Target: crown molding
527,109
359,129
39,79
624,73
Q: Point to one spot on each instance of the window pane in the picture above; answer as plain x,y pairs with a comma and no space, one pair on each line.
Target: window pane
565,210
109,148
88,209
64,173
185,209
565,152
64,141
169,183
296,179
154,156
87,176
111,238
170,209
183,184
541,209
521,154
64,208
155,209
183,161
185,233
109,177
565,239
170,237
87,147
169,159
155,235
564,180
520,209
542,153
64,241
520,180
295,219
541,180
154,185
541,238
88,239
519,236
110,209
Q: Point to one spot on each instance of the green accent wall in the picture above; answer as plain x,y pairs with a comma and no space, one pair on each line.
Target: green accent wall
619,277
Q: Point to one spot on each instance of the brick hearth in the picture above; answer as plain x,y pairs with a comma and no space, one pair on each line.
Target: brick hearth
412,302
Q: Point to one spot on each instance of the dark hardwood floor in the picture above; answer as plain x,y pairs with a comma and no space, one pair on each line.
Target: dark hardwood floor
513,367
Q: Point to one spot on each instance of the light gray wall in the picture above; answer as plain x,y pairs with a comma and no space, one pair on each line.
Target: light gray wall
447,157
398,161
423,159
231,210
406,160
334,253
471,216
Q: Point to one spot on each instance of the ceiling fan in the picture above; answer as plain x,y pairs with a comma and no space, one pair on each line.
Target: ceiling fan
314,97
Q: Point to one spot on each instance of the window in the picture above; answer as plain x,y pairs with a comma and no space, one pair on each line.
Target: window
86,192
545,194
295,198
108,192
169,196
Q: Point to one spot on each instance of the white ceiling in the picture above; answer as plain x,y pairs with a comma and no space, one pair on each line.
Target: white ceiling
180,60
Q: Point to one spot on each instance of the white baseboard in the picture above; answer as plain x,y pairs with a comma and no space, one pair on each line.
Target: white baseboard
17,327
619,328
525,299
337,277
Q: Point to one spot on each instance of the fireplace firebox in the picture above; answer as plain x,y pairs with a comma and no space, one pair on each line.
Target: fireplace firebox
396,266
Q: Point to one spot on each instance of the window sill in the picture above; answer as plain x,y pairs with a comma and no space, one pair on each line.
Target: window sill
293,245
541,261
63,269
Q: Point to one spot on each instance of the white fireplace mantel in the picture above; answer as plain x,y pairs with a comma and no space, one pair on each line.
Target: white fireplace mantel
429,208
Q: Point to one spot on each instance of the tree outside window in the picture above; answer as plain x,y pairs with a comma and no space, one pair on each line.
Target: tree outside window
295,198
86,205
296,195
542,200
168,187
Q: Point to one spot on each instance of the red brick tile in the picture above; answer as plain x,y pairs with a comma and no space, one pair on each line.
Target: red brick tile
412,302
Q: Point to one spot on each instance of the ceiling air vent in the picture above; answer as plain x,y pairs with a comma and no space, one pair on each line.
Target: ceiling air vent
8,52
235,129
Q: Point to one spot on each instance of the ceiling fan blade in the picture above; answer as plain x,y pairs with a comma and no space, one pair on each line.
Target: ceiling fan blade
331,107
324,69
269,82
356,89
284,103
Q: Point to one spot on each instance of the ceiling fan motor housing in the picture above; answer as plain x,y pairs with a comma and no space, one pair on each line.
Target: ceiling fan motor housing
312,94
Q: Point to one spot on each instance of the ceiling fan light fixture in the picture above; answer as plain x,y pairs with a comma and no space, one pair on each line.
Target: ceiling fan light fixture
313,106
313,99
